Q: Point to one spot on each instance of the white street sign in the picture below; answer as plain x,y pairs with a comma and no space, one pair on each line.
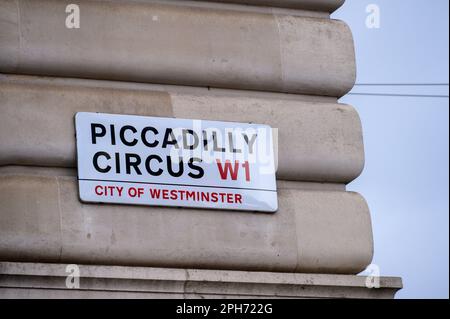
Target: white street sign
140,160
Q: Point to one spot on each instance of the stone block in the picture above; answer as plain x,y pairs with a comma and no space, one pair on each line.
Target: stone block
42,218
317,141
316,5
178,44
38,280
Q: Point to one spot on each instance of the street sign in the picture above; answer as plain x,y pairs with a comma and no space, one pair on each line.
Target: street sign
138,160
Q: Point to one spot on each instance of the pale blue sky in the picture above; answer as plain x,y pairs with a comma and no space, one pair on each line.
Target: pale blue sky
406,178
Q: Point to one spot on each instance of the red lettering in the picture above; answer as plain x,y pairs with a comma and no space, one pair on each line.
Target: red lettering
155,193
246,166
132,192
223,171
222,197
201,196
190,195
205,197
98,190
108,190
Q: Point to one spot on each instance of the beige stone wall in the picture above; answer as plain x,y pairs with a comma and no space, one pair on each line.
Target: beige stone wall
282,63
314,230
178,44
325,138
38,280
316,5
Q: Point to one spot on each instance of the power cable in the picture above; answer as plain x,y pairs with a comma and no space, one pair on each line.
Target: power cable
401,95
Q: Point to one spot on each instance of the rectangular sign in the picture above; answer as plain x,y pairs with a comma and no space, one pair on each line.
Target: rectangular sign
138,160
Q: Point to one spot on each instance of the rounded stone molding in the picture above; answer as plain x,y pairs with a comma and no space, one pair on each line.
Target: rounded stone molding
182,45
314,231
316,5
316,141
